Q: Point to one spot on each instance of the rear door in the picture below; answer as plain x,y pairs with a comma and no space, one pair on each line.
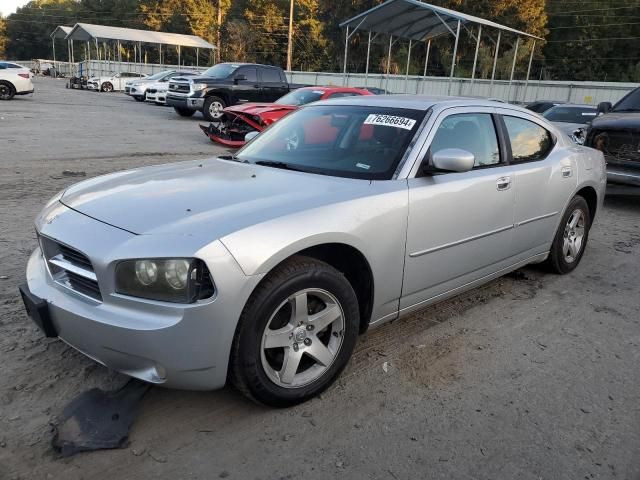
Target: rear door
274,84
460,225
544,177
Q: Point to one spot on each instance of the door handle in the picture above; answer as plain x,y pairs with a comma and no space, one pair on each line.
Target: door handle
503,183
566,172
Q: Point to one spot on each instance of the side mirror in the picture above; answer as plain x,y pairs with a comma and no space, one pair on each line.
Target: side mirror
239,78
452,160
604,107
250,136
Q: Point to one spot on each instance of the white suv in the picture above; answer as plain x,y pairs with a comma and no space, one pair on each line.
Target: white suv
14,80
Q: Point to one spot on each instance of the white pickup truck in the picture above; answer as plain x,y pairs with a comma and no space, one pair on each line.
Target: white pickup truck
14,80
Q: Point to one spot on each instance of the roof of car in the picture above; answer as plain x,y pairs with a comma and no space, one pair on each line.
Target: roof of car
414,102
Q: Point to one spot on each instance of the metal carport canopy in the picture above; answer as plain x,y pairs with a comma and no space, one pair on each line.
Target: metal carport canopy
419,21
61,32
86,32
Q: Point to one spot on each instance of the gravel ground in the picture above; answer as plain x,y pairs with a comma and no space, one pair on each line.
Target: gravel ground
531,376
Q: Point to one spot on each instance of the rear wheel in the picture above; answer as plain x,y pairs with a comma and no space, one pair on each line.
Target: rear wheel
296,333
184,112
7,92
213,107
107,87
571,238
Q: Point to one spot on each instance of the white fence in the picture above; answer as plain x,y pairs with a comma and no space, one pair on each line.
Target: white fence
517,92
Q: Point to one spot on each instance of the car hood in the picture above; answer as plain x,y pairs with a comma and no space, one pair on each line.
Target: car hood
259,108
209,197
617,121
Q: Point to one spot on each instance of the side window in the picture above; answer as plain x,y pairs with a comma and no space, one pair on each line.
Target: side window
473,132
251,74
529,141
343,94
13,65
3,66
270,75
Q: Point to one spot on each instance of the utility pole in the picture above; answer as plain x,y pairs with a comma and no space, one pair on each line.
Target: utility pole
219,28
290,46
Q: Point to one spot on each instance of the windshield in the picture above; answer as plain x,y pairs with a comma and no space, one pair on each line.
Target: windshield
563,114
159,75
344,141
300,97
630,103
221,70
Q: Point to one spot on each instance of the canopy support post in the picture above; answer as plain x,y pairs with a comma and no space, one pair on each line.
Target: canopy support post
513,67
406,75
453,58
179,54
526,83
386,85
366,71
197,57
426,62
495,62
475,57
88,58
160,50
346,51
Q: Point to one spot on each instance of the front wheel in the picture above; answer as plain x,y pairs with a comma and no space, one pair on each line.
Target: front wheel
141,98
571,238
296,333
184,112
107,87
7,92
213,109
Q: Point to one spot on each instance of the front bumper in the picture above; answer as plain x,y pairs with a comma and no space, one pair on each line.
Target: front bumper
174,345
184,102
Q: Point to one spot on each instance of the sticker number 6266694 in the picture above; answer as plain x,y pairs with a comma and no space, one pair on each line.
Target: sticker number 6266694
390,121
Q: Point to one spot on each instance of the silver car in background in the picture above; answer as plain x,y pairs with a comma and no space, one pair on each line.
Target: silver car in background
570,118
263,267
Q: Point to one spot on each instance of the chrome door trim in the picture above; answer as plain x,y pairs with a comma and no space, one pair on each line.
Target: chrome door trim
460,242
535,219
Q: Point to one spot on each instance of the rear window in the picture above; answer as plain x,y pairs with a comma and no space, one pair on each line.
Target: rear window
270,75
346,141
300,97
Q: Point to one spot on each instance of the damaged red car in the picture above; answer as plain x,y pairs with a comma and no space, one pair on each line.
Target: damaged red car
240,120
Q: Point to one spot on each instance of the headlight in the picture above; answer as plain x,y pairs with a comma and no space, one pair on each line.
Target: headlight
579,135
198,86
177,280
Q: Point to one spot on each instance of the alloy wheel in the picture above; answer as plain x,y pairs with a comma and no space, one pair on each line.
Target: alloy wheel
215,109
302,338
5,92
573,237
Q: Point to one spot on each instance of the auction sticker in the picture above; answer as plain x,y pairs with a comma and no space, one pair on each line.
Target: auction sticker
390,121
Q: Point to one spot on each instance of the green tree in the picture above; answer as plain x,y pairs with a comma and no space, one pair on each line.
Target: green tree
3,36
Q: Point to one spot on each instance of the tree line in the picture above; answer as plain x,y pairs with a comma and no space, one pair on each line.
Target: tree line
582,39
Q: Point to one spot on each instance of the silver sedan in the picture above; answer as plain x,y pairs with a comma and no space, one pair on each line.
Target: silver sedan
263,267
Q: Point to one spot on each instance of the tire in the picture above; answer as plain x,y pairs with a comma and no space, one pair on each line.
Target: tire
571,238
184,112
106,87
7,91
260,372
212,109
142,98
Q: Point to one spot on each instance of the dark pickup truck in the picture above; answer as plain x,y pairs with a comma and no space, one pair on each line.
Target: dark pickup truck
617,135
226,84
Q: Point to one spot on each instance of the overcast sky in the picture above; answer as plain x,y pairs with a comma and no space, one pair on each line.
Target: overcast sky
9,6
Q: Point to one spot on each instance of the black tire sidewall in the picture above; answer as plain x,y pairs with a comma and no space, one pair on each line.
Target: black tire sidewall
556,257
184,112
205,109
12,90
255,319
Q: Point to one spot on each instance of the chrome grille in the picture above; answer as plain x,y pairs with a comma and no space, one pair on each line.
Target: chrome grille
618,146
70,268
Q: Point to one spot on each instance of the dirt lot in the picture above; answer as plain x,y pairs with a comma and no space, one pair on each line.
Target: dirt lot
532,376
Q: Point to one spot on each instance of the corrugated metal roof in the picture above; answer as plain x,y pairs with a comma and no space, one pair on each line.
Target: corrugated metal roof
416,20
87,31
61,32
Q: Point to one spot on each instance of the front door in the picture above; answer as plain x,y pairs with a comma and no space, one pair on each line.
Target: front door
460,225
246,86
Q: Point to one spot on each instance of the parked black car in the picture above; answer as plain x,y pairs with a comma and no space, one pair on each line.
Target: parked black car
617,135
226,84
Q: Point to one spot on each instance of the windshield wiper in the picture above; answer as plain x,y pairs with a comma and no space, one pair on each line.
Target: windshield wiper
235,158
282,165
627,110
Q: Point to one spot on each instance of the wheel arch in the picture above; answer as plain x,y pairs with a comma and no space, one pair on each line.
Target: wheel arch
220,94
8,82
590,195
344,257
